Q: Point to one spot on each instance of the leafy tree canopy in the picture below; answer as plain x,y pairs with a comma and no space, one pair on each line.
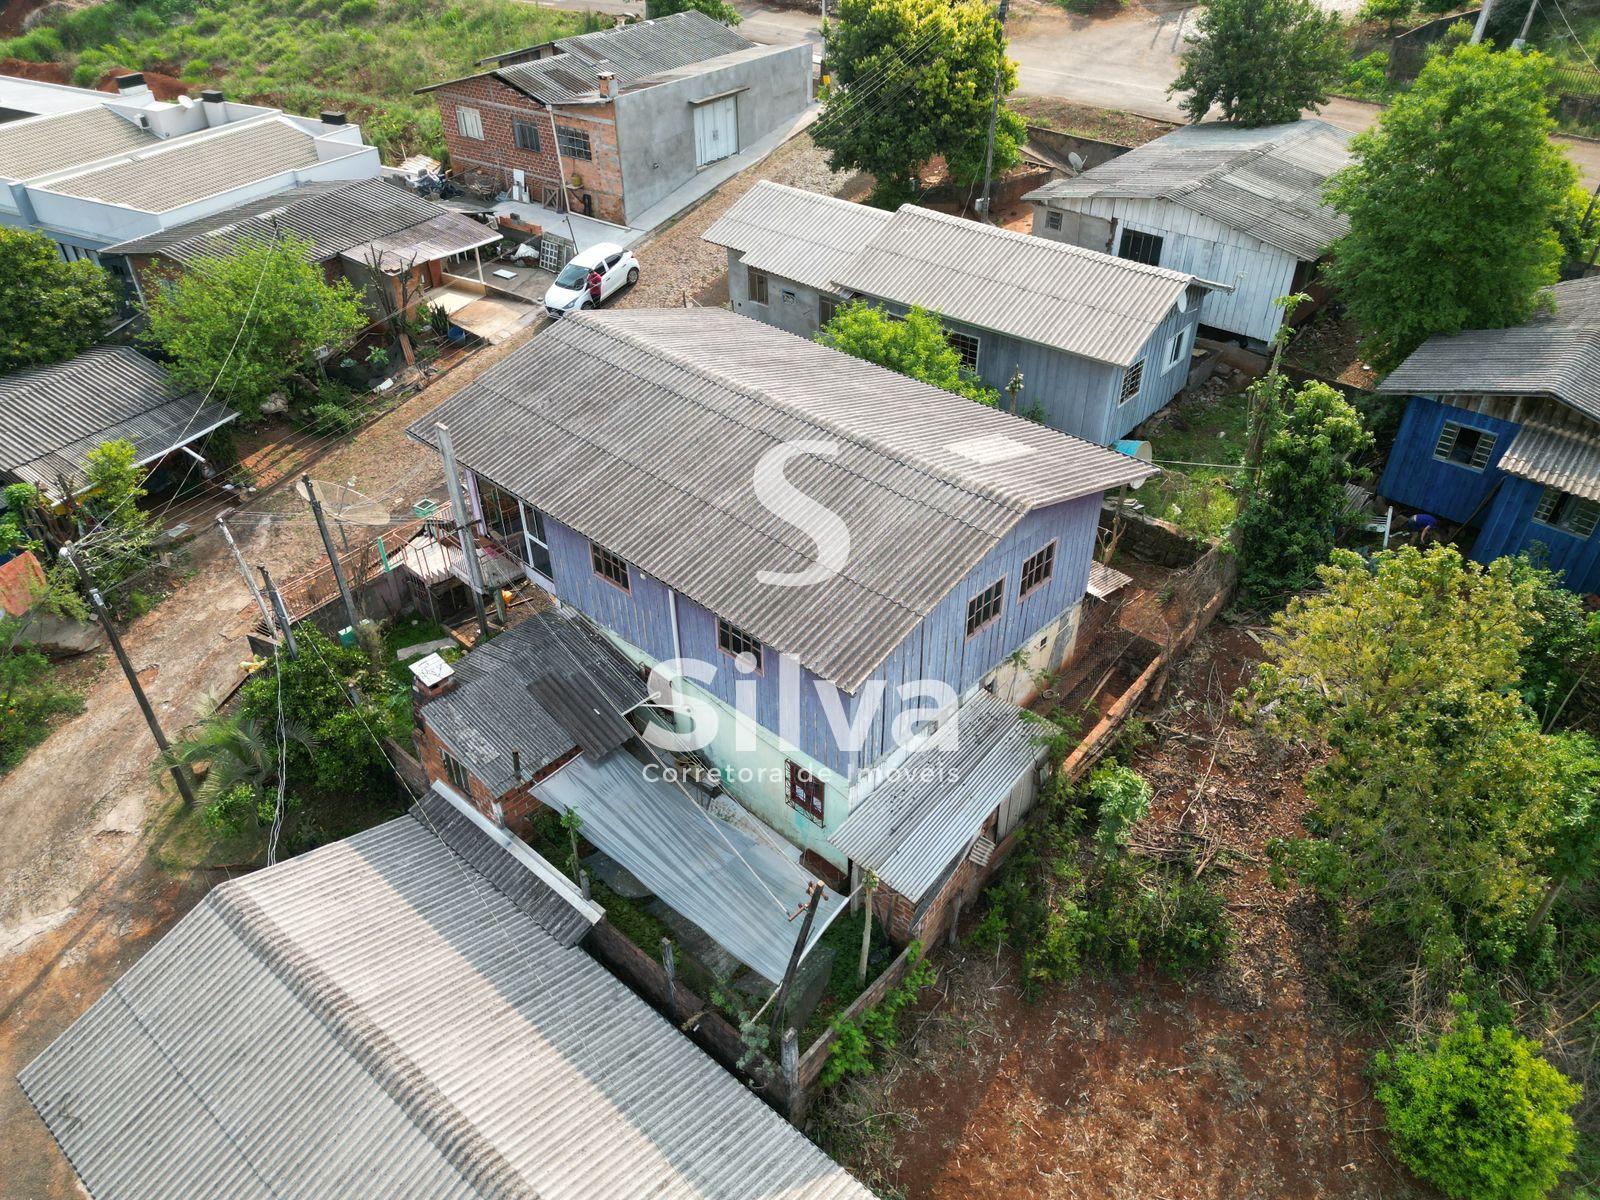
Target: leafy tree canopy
1479,1113
717,10
1287,527
50,309
1454,202
913,79
282,304
1260,61
1442,816
914,345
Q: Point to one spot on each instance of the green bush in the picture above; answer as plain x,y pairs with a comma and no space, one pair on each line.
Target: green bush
1479,1114
29,700
1368,78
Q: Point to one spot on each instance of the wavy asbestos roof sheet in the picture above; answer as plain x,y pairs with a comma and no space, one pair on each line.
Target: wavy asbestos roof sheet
1266,182
799,235
52,416
183,170
378,1017
1050,293
54,143
910,828
1571,464
643,430
1555,354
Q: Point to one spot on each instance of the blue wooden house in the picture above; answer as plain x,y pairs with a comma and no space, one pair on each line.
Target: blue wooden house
654,470
1501,434
1101,343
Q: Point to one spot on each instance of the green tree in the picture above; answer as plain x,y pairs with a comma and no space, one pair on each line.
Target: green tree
1287,528
50,309
1260,61
1441,815
122,533
914,79
717,10
245,325
239,791
1479,1113
1454,201
914,345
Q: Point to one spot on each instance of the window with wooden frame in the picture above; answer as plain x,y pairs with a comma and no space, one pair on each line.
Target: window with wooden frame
806,792
613,568
501,512
526,135
757,285
573,143
1052,220
1140,247
1038,569
735,641
1132,381
966,346
1464,445
469,122
1568,513
983,608
456,773
827,309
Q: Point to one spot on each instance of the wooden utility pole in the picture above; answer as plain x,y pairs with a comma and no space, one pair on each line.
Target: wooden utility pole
814,890
333,557
179,775
994,114
866,929
284,628
464,526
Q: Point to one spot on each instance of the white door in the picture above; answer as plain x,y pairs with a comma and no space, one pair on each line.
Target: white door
519,185
716,130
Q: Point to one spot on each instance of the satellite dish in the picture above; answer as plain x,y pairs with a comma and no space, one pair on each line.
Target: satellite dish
1183,300
343,503
1075,160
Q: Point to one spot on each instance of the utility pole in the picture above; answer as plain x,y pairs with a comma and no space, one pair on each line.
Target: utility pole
463,524
994,114
1527,25
1483,21
284,628
179,775
249,579
782,997
333,557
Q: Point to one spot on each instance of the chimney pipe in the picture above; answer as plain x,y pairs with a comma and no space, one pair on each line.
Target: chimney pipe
212,95
332,116
130,81
608,84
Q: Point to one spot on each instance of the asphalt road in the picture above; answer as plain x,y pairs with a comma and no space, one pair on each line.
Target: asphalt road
1123,62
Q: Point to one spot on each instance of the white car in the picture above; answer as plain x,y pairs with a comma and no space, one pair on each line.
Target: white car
618,268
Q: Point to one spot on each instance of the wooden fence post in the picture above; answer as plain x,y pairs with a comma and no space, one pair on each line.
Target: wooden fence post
669,965
794,1101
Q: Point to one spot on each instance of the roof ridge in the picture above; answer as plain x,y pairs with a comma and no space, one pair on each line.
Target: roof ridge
460,1142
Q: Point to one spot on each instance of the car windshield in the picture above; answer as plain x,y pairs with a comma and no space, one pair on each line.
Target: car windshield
572,275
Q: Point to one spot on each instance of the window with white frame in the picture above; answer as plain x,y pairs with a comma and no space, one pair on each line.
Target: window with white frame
1568,513
469,122
538,542
735,641
1177,349
1052,220
827,308
966,346
1038,569
573,143
1132,381
1464,445
984,608
611,567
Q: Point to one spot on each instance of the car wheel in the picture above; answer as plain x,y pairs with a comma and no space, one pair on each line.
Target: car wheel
633,276
587,304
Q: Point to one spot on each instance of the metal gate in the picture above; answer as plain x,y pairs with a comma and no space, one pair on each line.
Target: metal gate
716,130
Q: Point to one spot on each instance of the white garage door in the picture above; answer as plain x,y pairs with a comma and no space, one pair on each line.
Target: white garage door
716,130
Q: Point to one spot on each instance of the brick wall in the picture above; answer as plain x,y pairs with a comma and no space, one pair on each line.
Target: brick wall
516,805
498,105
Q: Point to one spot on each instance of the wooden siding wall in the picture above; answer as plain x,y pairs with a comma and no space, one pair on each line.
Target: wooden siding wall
1203,247
1159,383
937,648
1508,528
1414,478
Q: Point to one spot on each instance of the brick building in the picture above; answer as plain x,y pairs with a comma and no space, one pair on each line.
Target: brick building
609,123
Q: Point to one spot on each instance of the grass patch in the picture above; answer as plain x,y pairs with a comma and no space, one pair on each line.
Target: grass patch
1197,446
1085,120
362,56
412,631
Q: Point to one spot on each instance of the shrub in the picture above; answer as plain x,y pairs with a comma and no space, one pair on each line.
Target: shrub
1368,78
1479,1114
1124,799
